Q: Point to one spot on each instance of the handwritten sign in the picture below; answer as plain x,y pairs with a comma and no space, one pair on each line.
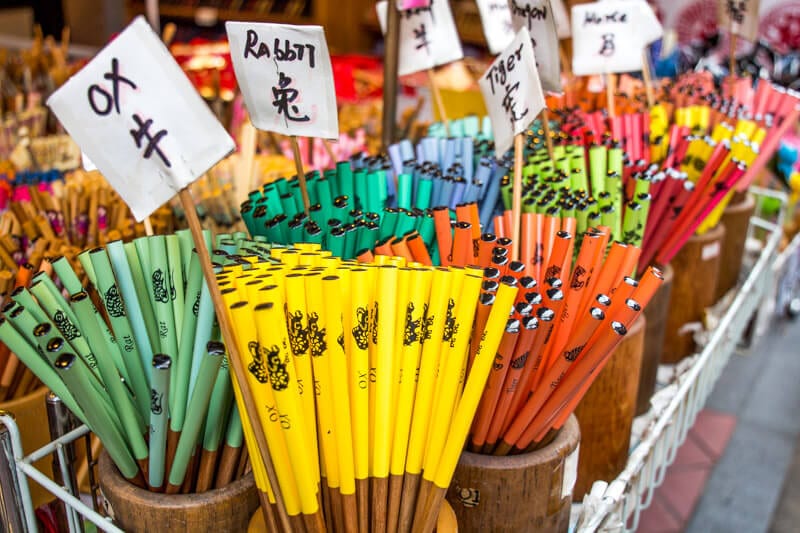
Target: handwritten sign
561,19
286,77
647,23
536,16
497,27
428,36
412,4
740,17
135,114
512,91
87,164
605,38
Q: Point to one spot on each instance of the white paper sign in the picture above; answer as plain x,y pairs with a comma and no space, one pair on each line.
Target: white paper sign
739,17
134,112
647,23
512,91
286,78
428,36
561,18
537,17
87,164
497,27
605,38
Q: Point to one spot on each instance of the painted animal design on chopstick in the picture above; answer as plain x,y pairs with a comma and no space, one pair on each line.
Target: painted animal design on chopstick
411,333
65,326
375,323
361,329
450,326
113,302
426,325
267,366
160,290
316,336
298,335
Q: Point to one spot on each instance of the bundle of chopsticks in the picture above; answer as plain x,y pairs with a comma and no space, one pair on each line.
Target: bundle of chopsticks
366,375
135,355
79,210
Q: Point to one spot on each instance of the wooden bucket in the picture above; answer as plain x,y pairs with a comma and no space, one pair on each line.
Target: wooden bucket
527,492
736,219
606,413
30,414
656,315
694,285
136,510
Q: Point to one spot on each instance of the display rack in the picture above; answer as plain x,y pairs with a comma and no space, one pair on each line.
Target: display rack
614,506
617,506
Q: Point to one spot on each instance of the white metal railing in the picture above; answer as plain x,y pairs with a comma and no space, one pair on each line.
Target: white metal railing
617,506
75,508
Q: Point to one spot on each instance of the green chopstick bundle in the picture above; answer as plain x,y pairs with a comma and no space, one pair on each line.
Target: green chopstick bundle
135,356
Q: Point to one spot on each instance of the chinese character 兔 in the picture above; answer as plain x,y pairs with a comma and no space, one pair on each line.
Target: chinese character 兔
111,100
284,98
143,133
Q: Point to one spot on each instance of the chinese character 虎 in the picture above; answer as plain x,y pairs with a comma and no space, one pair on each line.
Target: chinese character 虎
509,104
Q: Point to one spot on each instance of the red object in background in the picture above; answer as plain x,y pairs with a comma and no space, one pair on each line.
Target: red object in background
345,76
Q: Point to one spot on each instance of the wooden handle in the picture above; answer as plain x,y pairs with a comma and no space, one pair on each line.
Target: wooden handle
230,343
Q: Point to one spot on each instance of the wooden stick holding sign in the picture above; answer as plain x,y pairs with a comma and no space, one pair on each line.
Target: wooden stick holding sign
301,173
292,61
741,19
732,54
610,90
438,100
514,97
428,39
516,198
648,80
609,38
548,135
118,111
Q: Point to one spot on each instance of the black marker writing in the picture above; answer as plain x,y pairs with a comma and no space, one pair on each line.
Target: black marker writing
285,51
608,48
284,97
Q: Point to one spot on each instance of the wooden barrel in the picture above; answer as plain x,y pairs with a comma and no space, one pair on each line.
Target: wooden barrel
136,510
696,269
656,315
30,414
606,413
736,219
527,492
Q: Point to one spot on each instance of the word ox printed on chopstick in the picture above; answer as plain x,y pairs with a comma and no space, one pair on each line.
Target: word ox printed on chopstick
512,91
135,114
286,77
